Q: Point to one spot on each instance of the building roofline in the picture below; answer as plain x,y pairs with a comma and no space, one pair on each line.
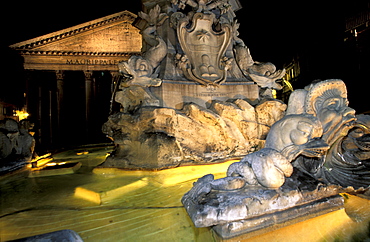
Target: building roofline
71,31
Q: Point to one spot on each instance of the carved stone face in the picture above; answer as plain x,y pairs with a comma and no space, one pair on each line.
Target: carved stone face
334,114
327,100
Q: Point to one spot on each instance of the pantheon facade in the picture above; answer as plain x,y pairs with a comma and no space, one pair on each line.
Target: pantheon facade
71,75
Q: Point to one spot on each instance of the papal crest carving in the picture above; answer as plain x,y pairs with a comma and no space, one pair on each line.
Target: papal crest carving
204,49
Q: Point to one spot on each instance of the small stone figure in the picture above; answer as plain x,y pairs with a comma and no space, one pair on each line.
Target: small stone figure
26,140
16,144
8,138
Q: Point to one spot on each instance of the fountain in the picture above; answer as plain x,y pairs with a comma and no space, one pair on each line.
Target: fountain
195,95
307,161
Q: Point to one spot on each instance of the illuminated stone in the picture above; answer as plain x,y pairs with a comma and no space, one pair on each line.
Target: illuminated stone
61,235
103,192
99,44
271,186
63,169
190,97
156,138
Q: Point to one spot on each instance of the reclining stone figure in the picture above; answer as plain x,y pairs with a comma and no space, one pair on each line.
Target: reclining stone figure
289,137
308,159
318,117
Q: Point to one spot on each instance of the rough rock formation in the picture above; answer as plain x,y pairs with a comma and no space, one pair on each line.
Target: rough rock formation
155,138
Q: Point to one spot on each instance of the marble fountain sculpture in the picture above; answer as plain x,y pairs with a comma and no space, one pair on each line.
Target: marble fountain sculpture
317,150
196,96
193,96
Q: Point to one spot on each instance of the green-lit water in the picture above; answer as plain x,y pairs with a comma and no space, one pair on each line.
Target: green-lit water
139,206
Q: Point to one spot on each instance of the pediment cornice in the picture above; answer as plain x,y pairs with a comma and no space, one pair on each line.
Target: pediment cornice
72,53
27,46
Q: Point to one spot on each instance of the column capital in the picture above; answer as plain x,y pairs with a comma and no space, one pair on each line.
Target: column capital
88,75
115,74
59,74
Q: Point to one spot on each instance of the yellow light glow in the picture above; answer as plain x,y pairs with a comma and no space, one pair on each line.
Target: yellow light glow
55,163
273,91
288,84
174,176
82,153
21,114
100,193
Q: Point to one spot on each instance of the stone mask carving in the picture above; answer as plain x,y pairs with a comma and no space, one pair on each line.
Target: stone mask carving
346,162
327,100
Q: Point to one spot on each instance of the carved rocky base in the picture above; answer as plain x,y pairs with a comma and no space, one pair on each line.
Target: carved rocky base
232,213
158,137
296,214
153,151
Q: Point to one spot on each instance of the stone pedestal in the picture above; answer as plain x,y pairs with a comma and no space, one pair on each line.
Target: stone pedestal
253,208
174,94
257,225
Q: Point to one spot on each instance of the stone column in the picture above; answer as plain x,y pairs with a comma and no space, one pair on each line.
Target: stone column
60,97
113,105
27,92
115,75
39,115
88,98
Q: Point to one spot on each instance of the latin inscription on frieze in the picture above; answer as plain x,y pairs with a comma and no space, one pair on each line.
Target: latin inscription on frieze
210,91
92,62
211,94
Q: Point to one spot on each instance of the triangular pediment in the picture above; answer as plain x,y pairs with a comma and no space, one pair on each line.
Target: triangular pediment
113,34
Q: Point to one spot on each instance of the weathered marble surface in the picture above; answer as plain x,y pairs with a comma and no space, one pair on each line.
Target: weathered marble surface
236,211
346,163
16,144
60,235
308,158
168,137
193,94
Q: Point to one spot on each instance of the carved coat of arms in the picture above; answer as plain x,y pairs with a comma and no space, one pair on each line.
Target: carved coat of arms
204,49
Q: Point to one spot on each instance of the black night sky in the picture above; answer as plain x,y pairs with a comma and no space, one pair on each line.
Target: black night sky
274,31
269,28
